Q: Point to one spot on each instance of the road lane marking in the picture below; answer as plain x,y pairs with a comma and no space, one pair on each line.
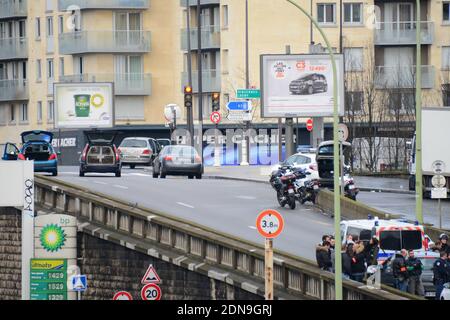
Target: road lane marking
252,227
139,174
322,223
185,205
246,197
120,187
100,182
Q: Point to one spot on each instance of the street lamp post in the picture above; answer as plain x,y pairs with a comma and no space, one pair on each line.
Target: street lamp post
419,182
337,202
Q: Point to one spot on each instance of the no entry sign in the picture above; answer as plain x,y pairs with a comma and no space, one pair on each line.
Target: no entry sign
309,125
270,223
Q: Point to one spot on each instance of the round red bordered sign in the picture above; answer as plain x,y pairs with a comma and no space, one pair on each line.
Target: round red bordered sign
215,117
151,291
309,125
122,295
270,223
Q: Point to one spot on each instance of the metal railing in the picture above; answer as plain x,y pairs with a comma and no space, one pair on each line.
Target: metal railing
124,83
210,38
63,5
395,33
293,275
403,77
13,9
14,90
184,3
105,42
13,48
211,80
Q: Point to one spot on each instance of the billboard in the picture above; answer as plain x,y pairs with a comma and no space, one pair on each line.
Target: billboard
84,105
300,85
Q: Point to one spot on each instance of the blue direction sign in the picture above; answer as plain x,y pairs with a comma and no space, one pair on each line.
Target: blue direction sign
239,106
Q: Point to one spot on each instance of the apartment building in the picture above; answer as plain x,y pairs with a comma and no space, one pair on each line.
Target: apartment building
141,46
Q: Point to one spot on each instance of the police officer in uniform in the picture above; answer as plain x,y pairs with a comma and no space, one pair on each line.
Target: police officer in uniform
440,273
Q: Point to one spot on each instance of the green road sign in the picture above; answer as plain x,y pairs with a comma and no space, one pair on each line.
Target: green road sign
48,279
248,94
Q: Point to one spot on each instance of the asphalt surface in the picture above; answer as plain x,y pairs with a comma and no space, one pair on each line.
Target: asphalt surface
230,207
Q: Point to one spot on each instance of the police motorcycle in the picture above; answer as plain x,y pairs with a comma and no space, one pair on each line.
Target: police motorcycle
350,190
306,188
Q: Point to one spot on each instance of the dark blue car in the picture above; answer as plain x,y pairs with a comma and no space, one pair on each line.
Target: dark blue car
37,146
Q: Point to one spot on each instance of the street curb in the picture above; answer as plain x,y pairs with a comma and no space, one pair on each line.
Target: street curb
267,182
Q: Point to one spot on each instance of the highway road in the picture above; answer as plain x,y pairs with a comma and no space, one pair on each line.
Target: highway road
230,207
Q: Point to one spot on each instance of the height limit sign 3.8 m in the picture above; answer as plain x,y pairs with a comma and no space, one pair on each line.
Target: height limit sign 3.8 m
270,223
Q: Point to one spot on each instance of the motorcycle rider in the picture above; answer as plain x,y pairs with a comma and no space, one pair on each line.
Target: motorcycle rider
415,267
440,273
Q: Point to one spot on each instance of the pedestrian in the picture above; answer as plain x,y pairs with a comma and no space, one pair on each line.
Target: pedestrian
347,256
371,251
440,273
399,270
358,267
444,241
415,268
323,256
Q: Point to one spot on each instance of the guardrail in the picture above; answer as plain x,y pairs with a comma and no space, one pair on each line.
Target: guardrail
293,275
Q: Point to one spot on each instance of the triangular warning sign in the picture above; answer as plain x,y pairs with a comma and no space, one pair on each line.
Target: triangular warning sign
150,276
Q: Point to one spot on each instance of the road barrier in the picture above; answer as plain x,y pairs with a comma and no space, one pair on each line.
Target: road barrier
149,231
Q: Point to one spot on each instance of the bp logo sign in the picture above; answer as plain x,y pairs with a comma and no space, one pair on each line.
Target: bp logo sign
52,237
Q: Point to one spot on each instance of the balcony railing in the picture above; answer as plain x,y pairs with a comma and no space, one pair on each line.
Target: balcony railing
63,5
13,48
105,42
125,84
13,9
183,3
210,83
210,38
403,77
14,90
395,33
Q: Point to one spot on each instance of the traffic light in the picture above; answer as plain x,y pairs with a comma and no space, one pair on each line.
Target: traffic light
188,97
216,101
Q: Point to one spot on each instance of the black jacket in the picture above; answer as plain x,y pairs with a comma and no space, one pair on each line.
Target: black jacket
399,267
440,271
371,253
414,266
446,248
323,257
358,265
346,264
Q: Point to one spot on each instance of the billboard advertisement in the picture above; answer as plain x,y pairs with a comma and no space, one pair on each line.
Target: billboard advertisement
84,105
300,85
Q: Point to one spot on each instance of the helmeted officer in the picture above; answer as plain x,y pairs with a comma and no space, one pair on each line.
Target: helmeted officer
440,273
444,240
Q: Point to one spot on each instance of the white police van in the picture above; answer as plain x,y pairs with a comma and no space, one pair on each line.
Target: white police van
393,235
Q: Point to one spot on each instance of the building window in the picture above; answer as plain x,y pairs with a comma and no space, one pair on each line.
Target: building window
61,67
354,102
225,61
49,26
353,59
353,13
402,103
50,111
12,113
3,115
24,112
225,16
38,28
60,24
50,70
39,111
446,94
38,70
446,58
446,11
326,13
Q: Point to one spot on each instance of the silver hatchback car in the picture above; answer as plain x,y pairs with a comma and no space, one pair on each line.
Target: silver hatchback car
138,151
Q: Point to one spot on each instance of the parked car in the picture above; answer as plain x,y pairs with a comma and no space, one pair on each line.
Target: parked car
100,155
325,163
306,161
164,142
309,84
138,150
37,146
178,160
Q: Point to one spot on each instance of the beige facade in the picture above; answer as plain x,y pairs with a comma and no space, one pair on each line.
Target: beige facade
142,48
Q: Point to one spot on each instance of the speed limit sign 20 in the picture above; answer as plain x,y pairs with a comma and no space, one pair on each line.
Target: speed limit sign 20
151,291
270,223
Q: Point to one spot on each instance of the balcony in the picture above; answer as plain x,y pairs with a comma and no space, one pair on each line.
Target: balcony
13,9
183,3
125,84
210,38
105,42
13,48
210,83
403,33
13,90
403,77
63,5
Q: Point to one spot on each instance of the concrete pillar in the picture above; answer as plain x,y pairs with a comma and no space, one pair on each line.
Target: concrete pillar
317,135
